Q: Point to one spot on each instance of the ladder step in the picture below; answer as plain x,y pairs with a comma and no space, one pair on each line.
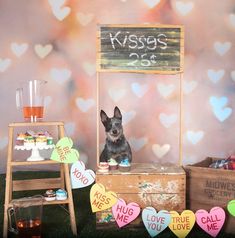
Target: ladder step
20,163
55,202
29,124
36,184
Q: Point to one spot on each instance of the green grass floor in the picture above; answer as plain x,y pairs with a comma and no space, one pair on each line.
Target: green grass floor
56,220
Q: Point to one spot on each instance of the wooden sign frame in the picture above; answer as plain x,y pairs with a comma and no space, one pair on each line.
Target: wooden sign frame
155,71
140,48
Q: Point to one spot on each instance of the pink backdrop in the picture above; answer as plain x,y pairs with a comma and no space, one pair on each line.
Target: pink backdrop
65,56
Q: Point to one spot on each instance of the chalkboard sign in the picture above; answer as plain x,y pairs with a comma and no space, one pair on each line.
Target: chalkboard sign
140,48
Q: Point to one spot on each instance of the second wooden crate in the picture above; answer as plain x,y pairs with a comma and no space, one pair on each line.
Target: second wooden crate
209,187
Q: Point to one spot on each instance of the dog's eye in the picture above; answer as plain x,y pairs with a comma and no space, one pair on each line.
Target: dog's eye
117,124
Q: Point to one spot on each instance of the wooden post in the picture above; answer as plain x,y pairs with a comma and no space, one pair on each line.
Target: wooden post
97,119
181,122
8,189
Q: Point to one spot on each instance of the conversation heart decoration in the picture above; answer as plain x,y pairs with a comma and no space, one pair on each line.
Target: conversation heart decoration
231,207
63,151
100,199
125,213
182,224
80,176
220,111
155,222
211,222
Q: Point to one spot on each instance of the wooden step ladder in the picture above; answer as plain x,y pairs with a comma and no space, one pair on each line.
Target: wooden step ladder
37,184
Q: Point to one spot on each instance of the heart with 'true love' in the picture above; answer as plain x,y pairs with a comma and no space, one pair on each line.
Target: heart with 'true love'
100,199
63,151
182,224
125,213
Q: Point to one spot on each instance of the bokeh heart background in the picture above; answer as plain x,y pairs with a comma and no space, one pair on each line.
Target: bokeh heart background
55,40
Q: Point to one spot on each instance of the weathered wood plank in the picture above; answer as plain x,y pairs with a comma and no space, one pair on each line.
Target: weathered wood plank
150,168
169,184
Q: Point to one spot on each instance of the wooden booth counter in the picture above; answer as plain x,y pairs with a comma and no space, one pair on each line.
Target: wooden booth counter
158,186
209,187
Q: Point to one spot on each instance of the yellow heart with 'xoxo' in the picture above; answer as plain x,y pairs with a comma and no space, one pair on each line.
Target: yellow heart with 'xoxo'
100,199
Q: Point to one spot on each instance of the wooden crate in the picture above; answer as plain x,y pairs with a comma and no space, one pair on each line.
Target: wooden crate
162,187
209,187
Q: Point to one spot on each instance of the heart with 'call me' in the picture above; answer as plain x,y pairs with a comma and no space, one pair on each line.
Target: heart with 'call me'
211,222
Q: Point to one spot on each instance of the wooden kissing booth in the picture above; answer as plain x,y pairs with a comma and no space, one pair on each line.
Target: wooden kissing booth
146,49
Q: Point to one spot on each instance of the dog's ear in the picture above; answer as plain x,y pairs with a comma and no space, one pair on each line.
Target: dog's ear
117,113
104,117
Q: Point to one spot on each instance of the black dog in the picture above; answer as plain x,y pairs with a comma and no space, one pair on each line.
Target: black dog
116,146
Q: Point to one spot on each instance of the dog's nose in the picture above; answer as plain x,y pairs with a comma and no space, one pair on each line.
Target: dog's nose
114,132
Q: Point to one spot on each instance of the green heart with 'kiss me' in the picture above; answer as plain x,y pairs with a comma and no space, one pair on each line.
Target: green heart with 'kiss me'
63,151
